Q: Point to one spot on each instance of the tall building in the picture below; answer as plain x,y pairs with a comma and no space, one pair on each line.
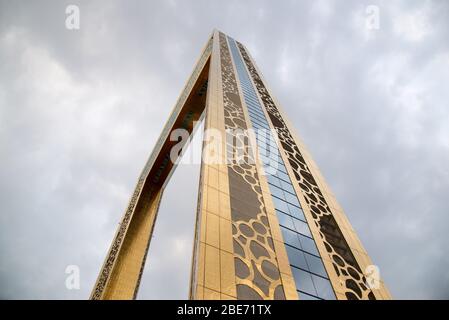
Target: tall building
267,225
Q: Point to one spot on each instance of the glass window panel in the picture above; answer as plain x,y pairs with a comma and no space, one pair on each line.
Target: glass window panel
260,118
305,296
323,288
272,172
280,204
273,154
254,106
262,148
303,281
273,145
302,227
296,258
268,147
253,99
264,124
275,191
275,166
262,151
290,237
287,186
256,121
281,166
292,199
308,245
261,114
264,159
315,265
268,151
296,212
272,180
275,157
252,111
264,134
253,117
283,176
285,220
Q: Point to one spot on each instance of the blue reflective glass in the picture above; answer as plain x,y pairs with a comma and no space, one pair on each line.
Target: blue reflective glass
259,121
323,288
273,154
315,265
296,212
280,204
290,237
303,281
296,258
308,245
281,166
285,220
269,172
265,137
283,176
290,198
305,296
275,191
262,151
287,186
274,166
302,227
264,159
259,117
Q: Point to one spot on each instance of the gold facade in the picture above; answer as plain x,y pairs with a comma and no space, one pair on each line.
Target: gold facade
239,250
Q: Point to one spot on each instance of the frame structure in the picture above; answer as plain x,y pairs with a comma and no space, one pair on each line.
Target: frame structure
267,224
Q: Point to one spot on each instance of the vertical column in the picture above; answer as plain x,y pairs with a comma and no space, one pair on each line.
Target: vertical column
125,277
213,267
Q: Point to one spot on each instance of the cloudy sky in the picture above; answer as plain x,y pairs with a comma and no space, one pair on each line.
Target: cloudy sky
80,111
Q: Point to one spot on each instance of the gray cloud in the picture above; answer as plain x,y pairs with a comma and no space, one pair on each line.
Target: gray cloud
81,110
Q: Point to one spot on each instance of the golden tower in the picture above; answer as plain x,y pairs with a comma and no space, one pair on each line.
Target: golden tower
267,224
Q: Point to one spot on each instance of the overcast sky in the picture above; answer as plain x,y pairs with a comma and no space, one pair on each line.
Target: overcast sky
80,111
